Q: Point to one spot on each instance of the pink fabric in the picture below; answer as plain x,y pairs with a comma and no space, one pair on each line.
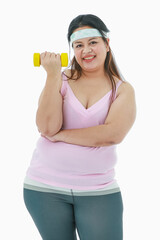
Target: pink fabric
72,166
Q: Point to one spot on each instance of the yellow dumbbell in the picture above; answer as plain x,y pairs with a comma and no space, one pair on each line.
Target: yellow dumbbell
37,59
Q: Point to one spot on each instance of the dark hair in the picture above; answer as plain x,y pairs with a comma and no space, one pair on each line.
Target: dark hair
110,66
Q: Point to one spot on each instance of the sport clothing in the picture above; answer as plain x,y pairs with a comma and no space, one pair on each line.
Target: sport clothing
69,187
57,216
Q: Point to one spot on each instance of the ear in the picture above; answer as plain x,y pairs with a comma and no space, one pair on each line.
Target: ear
107,45
108,40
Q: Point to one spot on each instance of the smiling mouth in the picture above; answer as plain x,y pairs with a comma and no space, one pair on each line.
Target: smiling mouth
89,58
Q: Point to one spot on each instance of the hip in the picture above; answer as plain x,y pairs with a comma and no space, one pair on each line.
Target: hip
31,184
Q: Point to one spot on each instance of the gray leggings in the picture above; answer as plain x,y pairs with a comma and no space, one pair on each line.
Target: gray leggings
57,216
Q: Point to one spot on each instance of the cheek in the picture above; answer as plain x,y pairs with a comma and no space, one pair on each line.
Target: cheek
101,49
102,53
77,55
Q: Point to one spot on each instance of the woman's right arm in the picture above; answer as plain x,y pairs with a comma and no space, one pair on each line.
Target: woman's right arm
49,116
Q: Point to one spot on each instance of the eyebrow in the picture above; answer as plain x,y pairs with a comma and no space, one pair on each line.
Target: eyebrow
88,40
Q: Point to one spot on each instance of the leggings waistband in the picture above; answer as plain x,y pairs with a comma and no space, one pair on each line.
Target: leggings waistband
37,186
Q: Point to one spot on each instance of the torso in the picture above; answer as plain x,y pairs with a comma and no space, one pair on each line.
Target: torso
72,166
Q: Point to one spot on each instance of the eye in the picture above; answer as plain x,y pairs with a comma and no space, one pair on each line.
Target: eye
79,46
93,42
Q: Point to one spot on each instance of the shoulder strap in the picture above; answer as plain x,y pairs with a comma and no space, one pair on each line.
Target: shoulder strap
64,85
117,86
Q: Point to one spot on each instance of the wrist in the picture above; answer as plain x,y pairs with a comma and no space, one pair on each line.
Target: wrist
54,80
56,75
60,136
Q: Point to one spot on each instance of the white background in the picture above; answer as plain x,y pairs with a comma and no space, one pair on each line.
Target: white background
36,26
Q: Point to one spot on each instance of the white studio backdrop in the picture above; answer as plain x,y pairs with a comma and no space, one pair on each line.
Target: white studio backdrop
36,26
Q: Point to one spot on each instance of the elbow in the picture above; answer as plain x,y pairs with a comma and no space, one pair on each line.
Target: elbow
106,142
48,133
107,137
112,140
47,130
119,138
118,141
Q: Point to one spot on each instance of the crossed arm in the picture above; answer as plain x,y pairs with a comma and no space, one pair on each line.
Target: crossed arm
120,119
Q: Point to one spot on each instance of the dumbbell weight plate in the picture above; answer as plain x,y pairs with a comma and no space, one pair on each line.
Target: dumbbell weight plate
64,59
36,59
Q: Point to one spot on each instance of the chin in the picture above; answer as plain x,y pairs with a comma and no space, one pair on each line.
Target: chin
90,69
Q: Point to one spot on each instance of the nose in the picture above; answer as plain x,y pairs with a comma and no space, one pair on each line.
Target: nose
87,49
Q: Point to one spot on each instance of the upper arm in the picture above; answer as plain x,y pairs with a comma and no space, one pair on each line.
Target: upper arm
122,112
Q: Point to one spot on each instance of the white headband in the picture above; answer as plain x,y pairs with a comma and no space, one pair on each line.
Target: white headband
89,32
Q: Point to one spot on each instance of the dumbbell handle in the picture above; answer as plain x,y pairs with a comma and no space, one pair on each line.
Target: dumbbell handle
37,59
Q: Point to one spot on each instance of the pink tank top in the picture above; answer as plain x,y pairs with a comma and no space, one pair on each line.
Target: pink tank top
72,166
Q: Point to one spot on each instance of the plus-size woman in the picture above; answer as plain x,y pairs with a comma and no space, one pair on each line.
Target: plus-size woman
83,113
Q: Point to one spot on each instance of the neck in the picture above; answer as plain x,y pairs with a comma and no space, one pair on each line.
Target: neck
90,75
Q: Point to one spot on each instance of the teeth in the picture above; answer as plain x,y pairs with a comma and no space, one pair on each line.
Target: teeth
89,57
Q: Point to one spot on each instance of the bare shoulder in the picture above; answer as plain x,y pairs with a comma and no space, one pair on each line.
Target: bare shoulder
67,72
126,89
71,76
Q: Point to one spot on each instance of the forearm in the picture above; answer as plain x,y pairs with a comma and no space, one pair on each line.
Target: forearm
97,136
49,112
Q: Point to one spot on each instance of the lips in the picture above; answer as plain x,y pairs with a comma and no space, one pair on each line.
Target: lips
89,58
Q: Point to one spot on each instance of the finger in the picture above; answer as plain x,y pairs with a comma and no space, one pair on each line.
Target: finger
58,56
43,55
53,54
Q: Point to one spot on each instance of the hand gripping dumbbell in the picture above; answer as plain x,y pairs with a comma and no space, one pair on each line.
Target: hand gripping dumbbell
37,59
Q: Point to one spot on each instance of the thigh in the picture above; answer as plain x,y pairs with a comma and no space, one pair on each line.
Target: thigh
99,217
52,214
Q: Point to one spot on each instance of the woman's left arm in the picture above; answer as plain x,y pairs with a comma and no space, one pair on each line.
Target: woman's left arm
120,119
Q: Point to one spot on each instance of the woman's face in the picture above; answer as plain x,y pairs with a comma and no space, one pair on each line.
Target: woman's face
90,52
